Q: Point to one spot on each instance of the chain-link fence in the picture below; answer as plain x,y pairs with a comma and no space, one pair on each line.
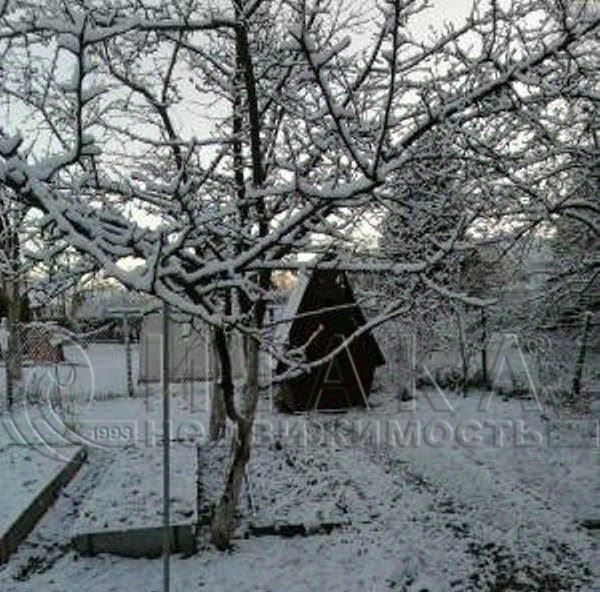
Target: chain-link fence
44,359
120,357
29,350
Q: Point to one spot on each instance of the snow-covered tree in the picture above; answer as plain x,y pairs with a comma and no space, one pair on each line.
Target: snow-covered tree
191,174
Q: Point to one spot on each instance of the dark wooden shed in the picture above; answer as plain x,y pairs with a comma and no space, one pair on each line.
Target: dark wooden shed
325,313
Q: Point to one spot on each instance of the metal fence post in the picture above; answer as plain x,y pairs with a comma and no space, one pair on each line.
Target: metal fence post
127,339
146,381
166,451
9,376
13,358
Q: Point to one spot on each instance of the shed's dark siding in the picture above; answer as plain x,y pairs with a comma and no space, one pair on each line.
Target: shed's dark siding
346,380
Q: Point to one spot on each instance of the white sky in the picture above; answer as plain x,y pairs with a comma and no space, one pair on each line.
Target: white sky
441,12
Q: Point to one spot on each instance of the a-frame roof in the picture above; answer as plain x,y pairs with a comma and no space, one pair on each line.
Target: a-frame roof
294,307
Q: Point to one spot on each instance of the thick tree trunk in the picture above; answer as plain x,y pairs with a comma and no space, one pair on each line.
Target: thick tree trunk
462,347
587,319
224,517
217,413
216,429
484,369
223,520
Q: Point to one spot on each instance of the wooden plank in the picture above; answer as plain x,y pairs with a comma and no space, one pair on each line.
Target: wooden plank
136,542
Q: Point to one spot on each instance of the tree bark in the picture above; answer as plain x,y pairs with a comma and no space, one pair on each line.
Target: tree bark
484,370
462,350
223,520
578,375
218,418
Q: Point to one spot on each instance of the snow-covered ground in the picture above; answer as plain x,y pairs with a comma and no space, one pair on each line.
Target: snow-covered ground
448,494
25,472
130,494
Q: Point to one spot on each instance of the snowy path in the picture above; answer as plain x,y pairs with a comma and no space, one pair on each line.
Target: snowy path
509,531
517,508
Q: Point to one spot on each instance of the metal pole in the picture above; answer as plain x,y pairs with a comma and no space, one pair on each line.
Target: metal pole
146,368
187,377
166,438
127,339
8,373
484,348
